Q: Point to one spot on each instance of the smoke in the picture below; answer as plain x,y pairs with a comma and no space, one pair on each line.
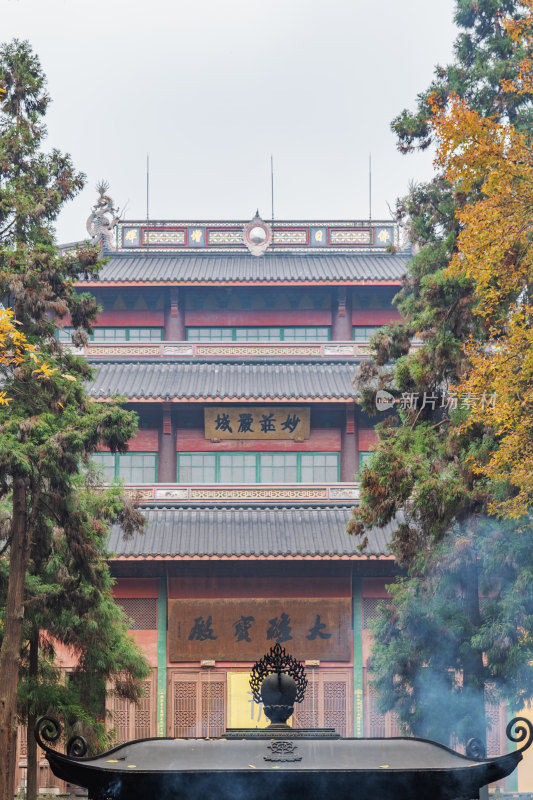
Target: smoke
457,638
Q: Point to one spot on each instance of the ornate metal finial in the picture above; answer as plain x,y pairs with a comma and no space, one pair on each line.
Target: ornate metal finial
104,217
278,681
278,661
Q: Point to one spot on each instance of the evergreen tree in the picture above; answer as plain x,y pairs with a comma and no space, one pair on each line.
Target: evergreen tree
54,530
422,474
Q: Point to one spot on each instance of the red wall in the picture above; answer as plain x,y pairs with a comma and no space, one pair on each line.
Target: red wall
135,587
367,438
321,439
123,319
375,317
257,586
146,440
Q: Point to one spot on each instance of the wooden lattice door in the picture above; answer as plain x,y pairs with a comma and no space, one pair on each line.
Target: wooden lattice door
135,720
326,703
197,704
376,723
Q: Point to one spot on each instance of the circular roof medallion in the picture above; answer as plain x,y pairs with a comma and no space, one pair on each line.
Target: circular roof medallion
257,235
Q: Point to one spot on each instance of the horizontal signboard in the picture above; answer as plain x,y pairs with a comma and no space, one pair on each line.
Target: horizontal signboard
252,422
244,630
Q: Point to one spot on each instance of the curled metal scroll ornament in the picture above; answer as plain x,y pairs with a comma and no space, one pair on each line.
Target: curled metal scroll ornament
520,729
278,661
475,749
47,729
77,746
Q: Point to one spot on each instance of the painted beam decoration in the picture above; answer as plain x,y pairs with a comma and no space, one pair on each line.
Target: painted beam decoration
253,422
242,629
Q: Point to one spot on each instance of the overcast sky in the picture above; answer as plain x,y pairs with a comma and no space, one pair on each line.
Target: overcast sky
210,88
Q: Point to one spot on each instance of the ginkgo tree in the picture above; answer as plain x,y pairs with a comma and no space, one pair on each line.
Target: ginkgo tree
492,162
452,475
15,348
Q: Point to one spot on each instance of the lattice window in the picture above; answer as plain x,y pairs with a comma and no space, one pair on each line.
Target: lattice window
129,467
238,468
306,713
137,467
375,720
370,609
141,611
362,333
142,713
376,723
252,467
131,720
320,467
278,467
326,702
199,705
120,712
311,333
335,705
493,713
22,741
184,708
364,458
196,467
213,712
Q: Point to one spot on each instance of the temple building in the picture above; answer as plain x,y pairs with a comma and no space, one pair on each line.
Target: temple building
236,343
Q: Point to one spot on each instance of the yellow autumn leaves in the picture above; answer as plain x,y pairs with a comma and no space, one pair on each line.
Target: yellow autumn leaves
15,348
492,162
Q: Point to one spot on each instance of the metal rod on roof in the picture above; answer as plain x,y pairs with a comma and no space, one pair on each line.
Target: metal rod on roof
147,186
370,187
272,183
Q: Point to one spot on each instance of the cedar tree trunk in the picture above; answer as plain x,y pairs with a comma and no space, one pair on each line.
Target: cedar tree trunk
11,643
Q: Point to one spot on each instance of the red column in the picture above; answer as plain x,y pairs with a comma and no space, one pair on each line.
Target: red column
341,316
174,317
166,460
349,448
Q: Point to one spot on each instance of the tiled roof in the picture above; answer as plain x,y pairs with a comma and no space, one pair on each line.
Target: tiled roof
272,267
248,532
224,379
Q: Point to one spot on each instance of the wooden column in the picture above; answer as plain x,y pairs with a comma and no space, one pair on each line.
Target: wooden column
166,461
174,316
349,448
357,611
341,316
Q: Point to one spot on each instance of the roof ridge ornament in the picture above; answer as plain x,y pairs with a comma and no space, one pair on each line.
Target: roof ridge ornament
257,235
103,218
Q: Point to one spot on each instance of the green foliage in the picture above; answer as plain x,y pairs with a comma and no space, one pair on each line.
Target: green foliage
421,476
53,512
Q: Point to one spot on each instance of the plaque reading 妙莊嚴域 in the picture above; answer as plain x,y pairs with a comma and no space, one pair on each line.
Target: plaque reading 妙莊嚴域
252,422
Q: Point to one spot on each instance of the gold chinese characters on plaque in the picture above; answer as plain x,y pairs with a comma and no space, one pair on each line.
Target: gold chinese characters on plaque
252,422
245,629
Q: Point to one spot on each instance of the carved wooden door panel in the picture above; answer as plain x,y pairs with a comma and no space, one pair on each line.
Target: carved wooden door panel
135,721
327,702
197,703
376,723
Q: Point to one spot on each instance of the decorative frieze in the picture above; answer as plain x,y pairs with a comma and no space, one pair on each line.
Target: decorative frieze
219,236
257,350
266,493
